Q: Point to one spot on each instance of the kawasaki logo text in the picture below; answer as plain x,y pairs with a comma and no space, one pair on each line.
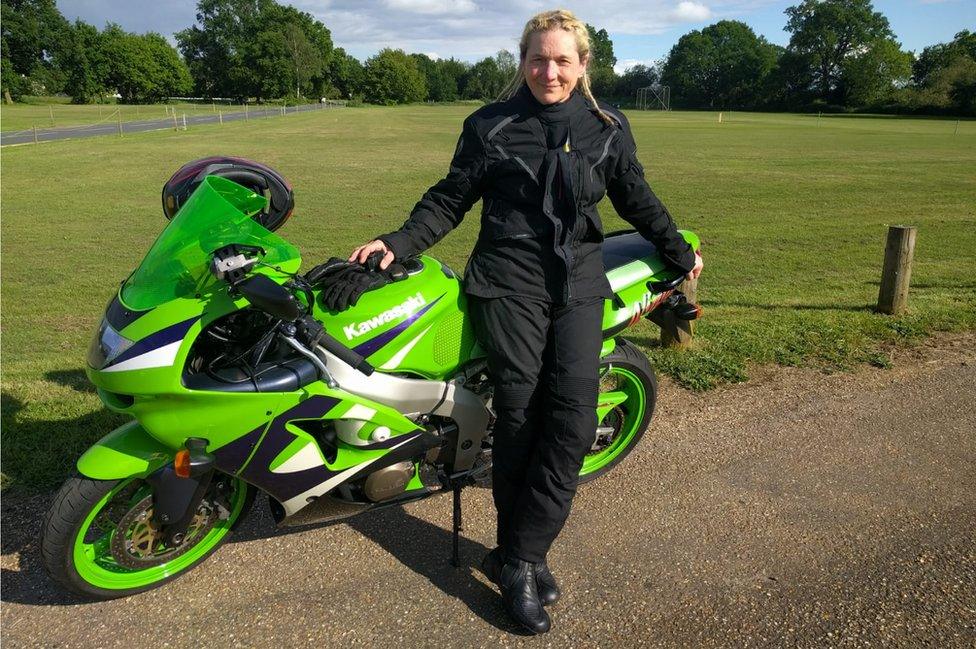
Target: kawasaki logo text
356,329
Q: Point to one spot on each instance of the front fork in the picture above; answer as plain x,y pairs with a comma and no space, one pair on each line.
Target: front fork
179,488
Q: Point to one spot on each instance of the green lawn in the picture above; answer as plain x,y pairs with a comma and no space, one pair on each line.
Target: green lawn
792,211
22,117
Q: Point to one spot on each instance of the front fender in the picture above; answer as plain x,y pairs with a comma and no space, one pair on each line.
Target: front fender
126,452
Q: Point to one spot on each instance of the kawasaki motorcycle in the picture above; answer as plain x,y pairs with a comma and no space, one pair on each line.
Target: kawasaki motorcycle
237,380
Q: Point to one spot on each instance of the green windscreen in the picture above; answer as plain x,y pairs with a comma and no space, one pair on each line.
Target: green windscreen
218,213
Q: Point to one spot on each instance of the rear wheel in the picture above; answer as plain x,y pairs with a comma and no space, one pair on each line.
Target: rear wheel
628,392
99,540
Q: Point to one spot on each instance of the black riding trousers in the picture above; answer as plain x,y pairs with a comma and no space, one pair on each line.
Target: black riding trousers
544,359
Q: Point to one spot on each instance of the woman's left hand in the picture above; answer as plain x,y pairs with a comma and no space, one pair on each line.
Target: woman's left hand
696,271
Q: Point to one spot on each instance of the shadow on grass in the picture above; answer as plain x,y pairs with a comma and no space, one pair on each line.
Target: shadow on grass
937,118
41,453
954,285
74,379
788,307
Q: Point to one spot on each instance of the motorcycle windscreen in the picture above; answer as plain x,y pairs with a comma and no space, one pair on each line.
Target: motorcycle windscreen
218,213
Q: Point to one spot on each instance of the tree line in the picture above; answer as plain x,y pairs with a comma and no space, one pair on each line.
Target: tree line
842,55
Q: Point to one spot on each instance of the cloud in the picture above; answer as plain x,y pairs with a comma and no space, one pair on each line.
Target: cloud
690,12
625,64
432,7
465,29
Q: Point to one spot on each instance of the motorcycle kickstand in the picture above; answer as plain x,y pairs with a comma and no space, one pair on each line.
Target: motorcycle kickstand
457,528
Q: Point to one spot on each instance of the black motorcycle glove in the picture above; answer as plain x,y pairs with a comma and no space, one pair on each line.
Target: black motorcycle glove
346,289
343,282
327,270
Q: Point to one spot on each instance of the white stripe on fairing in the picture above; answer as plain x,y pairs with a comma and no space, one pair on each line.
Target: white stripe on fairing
394,362
160,357
359,411
292,505
306,458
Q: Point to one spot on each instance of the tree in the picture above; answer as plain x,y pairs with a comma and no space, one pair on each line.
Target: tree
392,77
33,33
635,78
826,32
244,48
304,59
457,72
603,79
441,84
346,74
485,80
143,68
724,65
962,88
85,64
871,76
942,55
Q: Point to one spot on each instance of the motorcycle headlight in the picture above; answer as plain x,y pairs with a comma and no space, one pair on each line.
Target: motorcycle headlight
106,346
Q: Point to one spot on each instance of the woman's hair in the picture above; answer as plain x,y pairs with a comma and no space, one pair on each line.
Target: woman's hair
546,21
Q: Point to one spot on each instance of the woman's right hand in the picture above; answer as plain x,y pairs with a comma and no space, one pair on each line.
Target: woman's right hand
362,252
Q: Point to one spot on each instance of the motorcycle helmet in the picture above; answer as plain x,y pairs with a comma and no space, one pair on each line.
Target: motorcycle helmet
253,175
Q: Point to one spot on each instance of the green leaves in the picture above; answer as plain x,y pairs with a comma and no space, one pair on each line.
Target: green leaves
392,77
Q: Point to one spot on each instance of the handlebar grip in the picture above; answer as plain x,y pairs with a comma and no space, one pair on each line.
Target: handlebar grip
346,355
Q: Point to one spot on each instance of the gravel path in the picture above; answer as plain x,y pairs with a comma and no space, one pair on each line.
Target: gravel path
799,509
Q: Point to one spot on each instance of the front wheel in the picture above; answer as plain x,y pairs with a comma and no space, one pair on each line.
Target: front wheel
628,391
99,540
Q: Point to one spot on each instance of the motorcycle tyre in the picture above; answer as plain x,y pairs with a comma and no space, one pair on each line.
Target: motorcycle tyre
69,511
634,364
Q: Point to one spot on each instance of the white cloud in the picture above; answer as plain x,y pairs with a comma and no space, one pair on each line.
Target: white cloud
690,12
432,7
625,64
465,29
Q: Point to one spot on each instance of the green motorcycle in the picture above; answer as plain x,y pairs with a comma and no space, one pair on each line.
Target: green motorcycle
238,379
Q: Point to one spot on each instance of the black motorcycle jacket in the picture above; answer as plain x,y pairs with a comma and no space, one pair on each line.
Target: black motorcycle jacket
540,172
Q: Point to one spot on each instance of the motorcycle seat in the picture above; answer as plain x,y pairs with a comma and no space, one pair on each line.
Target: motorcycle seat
621,248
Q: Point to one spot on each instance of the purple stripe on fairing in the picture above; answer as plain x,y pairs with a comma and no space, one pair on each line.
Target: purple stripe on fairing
154,341
373,345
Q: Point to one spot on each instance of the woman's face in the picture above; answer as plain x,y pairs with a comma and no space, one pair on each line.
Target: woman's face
552,65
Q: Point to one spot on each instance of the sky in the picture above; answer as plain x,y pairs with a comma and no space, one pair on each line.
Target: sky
642,31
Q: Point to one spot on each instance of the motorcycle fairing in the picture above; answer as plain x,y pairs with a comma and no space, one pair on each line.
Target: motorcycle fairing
125,452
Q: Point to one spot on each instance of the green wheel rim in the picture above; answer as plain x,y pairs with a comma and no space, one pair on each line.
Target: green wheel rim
630,410
95,564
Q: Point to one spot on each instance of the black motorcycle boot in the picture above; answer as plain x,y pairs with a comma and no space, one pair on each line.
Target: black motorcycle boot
548,588
545,583
521,597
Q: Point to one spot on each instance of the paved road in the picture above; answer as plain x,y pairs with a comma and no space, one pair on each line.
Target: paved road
800,509
112,128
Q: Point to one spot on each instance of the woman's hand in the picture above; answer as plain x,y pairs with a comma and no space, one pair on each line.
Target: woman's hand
362,252
696,271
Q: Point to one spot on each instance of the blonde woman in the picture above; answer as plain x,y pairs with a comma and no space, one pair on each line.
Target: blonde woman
540,159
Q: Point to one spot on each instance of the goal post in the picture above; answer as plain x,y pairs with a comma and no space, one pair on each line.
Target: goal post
654,98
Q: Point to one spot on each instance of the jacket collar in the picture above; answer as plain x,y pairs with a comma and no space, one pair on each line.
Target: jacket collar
559,111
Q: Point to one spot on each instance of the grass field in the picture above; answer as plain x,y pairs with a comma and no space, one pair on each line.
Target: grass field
23,117
792,211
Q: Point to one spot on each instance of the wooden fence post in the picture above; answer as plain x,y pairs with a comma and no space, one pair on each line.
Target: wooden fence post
676,332
897,270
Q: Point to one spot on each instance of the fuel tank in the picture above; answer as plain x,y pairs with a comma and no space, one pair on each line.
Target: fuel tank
417,325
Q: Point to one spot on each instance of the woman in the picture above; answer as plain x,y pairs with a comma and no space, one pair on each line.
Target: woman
540,159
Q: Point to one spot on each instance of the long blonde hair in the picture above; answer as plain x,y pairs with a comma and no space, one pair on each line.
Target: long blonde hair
543,22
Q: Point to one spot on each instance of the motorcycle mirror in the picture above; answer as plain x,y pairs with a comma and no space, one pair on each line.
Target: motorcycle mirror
270,297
